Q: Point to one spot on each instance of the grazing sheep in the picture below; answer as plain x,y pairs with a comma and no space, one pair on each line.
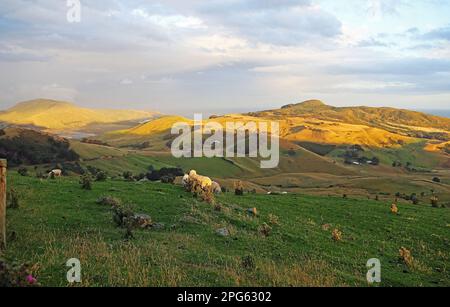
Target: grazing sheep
216,188
55,173
185,181
204,182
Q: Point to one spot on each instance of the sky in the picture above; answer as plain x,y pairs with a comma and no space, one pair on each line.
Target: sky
186,56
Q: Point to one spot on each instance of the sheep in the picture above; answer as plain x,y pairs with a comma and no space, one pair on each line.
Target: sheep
216,188
55,173
185,181
205,182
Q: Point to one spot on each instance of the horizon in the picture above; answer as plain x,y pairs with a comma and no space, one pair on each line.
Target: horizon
189,113
176,55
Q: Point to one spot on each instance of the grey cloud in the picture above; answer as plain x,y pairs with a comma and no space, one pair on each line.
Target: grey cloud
412,66
438,34
286,22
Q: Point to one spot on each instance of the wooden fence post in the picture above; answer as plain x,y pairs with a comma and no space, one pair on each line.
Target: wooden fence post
2,204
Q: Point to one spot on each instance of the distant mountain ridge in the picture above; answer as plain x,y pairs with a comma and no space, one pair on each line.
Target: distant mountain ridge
60,115
372,116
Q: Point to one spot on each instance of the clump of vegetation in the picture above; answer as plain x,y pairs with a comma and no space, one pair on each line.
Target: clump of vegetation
101,176
33,147
414,199
86,182
128,176
17,275
394,209
273,220
122,214
238,188
12,199
170,179
109,201
406,257
165,173
23,171
336,235
265,230
437,179
434,201
248,262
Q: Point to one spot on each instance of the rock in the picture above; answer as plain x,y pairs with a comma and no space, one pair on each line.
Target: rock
223,232
142,220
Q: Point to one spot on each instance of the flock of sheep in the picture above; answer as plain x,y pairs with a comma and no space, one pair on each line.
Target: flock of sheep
193,180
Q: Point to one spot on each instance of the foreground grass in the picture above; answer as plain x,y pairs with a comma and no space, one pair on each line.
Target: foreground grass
57,221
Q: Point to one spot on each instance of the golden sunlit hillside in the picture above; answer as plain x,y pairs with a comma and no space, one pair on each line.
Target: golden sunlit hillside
58,115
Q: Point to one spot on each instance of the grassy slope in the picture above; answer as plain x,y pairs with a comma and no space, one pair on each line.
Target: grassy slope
58,221
57,115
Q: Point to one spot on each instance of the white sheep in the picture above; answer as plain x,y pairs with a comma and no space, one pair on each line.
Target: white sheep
205,182
216,188
185,181
55,173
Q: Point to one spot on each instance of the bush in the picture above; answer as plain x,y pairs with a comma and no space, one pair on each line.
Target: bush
23,171
238,188
248,262
101,176
273,219
16,275
406,257
155,175
436,179
168,179
128,176
86,182
12,199
109,201
265,230
394,209
434,201
336,235
206,194
122,215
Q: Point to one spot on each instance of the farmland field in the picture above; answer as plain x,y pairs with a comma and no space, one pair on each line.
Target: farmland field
57,220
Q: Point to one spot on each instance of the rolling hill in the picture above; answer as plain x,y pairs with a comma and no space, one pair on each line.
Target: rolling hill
403,122
64,116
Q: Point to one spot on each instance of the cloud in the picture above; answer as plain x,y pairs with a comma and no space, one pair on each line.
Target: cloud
286,22
408,66
438,34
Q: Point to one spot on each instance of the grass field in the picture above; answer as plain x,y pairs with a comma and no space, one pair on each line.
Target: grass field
57,220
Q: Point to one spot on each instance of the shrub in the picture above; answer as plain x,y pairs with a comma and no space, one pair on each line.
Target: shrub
204,194
168,179
273,219
394,209
86,182
436,179
434,201
101,176
122,214
414,199
155,175
23,171
16,275
337,235
406,257
248,262
109,201
12,199
128,176
265,230
238,188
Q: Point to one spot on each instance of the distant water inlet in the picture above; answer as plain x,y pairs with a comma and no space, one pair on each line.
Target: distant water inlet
229,139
